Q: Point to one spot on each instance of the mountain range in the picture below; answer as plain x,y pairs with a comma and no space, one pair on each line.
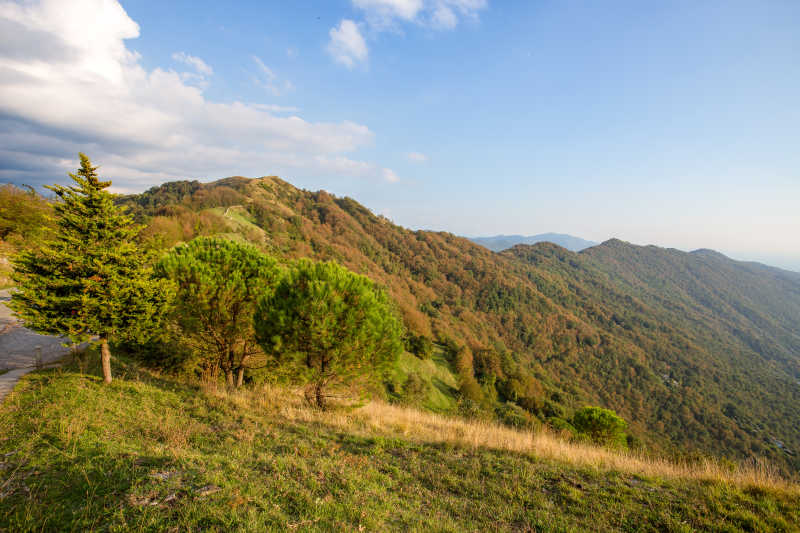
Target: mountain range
499,243
700,353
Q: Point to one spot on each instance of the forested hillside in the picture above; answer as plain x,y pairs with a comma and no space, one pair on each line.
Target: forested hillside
697,352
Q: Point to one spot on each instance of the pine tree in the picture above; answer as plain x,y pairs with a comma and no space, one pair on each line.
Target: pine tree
218,284
329,324
90,280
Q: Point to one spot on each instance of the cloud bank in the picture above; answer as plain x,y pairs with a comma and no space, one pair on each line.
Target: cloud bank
64,89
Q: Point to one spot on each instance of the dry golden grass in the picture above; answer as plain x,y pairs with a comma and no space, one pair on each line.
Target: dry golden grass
383,419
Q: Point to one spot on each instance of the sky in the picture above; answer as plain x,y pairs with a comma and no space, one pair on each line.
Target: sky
667,123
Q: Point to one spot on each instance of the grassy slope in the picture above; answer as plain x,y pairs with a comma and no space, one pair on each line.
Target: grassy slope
148,453
440,381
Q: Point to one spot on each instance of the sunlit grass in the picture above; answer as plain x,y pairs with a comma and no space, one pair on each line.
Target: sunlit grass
421,426
152,453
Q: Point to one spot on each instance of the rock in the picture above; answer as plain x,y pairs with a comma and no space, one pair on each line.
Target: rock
206,490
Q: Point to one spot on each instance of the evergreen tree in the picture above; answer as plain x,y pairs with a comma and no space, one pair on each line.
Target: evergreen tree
218,283
330,324
89,280
602,426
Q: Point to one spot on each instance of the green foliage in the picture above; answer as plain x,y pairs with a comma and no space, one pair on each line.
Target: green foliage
414,391
419,345
218,284
524,390
25,219
470,389
24,215
602,426
561,426
515,416
90,278
330,324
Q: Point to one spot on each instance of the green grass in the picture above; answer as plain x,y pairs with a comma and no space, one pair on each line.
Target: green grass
154,454
442,384
238,215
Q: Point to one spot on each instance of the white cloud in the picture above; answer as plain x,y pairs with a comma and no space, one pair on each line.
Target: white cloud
438,14
267,79
444,17
347,45
68,82
383,12
390,176
273,108
417,157
195,62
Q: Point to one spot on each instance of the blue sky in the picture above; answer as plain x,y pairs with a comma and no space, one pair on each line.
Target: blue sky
671,123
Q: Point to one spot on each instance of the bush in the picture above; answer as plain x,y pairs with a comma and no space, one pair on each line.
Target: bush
415,389
419,345
561,426
515,416
601,426
524,390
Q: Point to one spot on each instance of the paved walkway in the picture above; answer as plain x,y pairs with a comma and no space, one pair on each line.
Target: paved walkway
22,350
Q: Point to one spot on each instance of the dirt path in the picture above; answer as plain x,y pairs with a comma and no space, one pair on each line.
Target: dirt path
22,350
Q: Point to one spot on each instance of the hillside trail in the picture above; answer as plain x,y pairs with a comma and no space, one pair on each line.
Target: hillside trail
22,350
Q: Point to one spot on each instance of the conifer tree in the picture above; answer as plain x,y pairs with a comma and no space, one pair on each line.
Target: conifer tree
329,324
90,280
218,283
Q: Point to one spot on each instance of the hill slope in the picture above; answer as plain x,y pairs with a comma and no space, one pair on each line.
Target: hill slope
152,454
499,243
599,327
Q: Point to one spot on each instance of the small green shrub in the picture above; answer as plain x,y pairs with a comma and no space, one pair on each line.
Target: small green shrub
602,426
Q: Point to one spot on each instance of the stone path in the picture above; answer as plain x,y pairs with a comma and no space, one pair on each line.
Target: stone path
22,350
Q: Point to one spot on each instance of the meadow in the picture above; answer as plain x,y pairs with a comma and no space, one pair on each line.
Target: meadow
154,453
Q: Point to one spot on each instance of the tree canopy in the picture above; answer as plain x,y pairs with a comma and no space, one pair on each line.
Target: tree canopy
602,426
218,282
331,324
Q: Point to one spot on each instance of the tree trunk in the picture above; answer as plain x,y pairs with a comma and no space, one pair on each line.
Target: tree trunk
105,358
318,396
240,377
229,378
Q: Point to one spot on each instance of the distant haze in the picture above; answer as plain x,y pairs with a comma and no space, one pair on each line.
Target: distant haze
498,243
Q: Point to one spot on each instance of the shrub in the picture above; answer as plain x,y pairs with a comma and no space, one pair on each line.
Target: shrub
419,345
513,415
561,426
602,426
524,390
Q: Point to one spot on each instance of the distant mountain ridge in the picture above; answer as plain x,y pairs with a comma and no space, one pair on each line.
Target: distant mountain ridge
498,243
